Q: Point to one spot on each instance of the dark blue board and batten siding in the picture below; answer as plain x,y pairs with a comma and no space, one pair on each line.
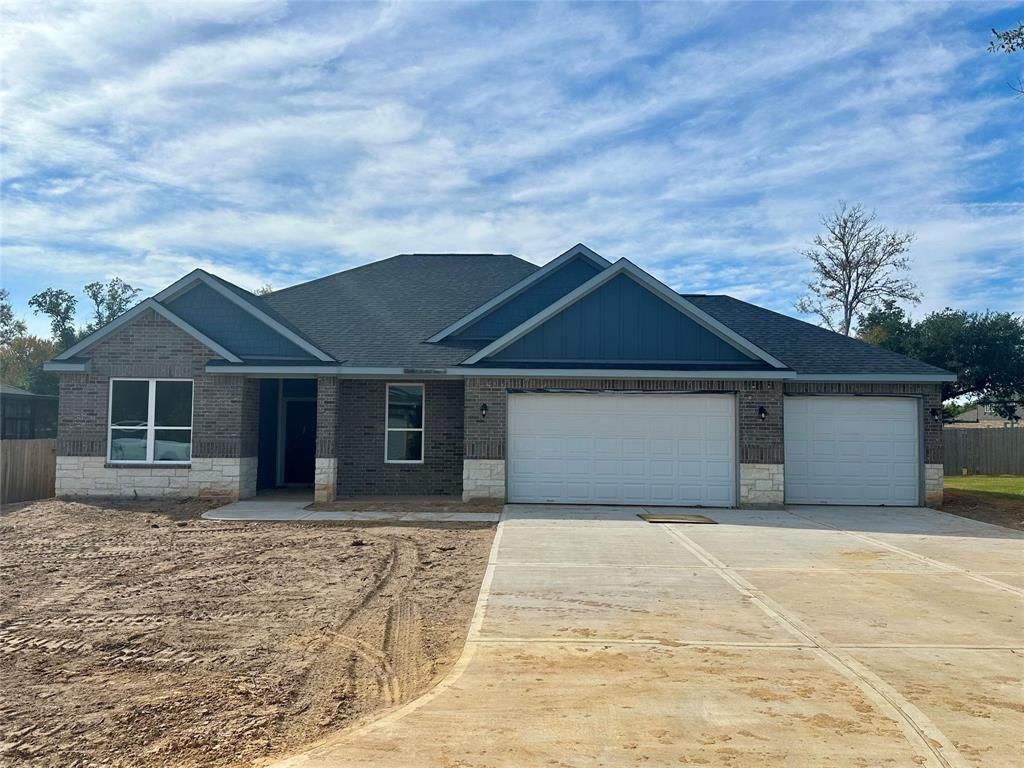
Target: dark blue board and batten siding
541,294
231,326
621,322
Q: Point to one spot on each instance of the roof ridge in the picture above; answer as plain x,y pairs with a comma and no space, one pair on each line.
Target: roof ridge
387,259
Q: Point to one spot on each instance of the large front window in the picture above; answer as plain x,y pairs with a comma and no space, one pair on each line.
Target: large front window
151,420
403,442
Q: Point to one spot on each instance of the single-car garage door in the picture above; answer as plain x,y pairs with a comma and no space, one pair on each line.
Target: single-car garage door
852,450
622,449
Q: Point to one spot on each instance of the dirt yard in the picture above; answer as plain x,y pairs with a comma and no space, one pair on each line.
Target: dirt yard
995,499
140,635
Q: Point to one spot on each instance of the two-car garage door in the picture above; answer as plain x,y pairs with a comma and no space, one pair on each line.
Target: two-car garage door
622,448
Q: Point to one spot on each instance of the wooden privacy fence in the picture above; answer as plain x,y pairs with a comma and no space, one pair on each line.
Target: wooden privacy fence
28,469
984,451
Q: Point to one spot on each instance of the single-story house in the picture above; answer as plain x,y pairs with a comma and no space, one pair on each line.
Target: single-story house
983,417
482,375
26,415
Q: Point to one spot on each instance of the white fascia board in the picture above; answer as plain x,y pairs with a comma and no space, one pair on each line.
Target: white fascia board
910,378
341,371
510,293
626,267
176,289
613,373
55,366
134,312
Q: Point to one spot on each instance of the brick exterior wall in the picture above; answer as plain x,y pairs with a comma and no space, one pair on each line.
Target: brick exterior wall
225,408
760,442
360,442
325,474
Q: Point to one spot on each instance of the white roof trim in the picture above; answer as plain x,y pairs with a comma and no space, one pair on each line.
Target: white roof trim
869,377
510,293
179,287
614,373
54,366
134,312
626,267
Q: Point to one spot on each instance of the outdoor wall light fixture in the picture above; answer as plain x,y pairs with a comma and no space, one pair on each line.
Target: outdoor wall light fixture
762,412
935,414
483,410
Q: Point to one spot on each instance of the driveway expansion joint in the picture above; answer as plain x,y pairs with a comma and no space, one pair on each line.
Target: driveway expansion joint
916,726
936,564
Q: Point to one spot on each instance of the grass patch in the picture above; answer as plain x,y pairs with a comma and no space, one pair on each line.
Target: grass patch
1008,486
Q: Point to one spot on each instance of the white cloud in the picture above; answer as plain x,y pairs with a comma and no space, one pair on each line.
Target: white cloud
266,141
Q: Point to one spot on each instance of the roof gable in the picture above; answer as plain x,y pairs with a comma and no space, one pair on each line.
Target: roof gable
273,324
525,298
621,322
231,326
624,316
126,317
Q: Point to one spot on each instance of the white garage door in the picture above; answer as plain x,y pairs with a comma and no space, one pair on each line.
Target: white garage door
851,450
622,449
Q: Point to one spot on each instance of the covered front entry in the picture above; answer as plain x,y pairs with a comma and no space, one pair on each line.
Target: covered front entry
615,448
852,450
287,433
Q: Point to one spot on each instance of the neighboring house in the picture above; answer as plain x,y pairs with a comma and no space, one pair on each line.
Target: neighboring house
26,415
581,381
982,417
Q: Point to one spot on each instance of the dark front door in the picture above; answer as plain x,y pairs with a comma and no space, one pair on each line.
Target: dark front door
299,441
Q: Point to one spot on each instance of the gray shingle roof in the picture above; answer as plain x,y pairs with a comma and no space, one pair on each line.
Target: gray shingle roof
806,348
380,314
8,390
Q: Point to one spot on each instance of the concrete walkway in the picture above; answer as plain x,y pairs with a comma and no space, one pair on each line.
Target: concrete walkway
818,636
296,509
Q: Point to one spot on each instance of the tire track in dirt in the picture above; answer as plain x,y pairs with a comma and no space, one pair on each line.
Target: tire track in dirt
132,638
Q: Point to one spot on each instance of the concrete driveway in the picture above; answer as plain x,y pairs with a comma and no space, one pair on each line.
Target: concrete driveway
812,637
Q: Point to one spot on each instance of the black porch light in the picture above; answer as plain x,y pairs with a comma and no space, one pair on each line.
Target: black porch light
483,410
935,414
762,412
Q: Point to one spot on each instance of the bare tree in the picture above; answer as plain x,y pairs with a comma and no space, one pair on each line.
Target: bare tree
264,289
855,262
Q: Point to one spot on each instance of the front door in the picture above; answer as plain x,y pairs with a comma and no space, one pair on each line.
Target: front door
299,441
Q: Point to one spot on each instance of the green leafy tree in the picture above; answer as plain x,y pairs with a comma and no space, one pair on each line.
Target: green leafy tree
59,306
856,264
21,364
887,326
109,300
984,349
10,326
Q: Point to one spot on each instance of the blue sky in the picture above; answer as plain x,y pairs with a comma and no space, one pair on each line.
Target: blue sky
280,142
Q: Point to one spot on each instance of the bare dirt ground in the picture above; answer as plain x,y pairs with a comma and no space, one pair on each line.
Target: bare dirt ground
407,504
137,634
991,508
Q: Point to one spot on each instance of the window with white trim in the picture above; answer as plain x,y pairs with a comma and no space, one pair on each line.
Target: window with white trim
150,421
403,435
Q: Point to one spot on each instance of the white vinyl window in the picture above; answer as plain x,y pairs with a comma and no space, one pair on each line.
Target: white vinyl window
403,427
150,421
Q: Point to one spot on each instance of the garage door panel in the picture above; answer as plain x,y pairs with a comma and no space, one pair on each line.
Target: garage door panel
639,449
851,450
